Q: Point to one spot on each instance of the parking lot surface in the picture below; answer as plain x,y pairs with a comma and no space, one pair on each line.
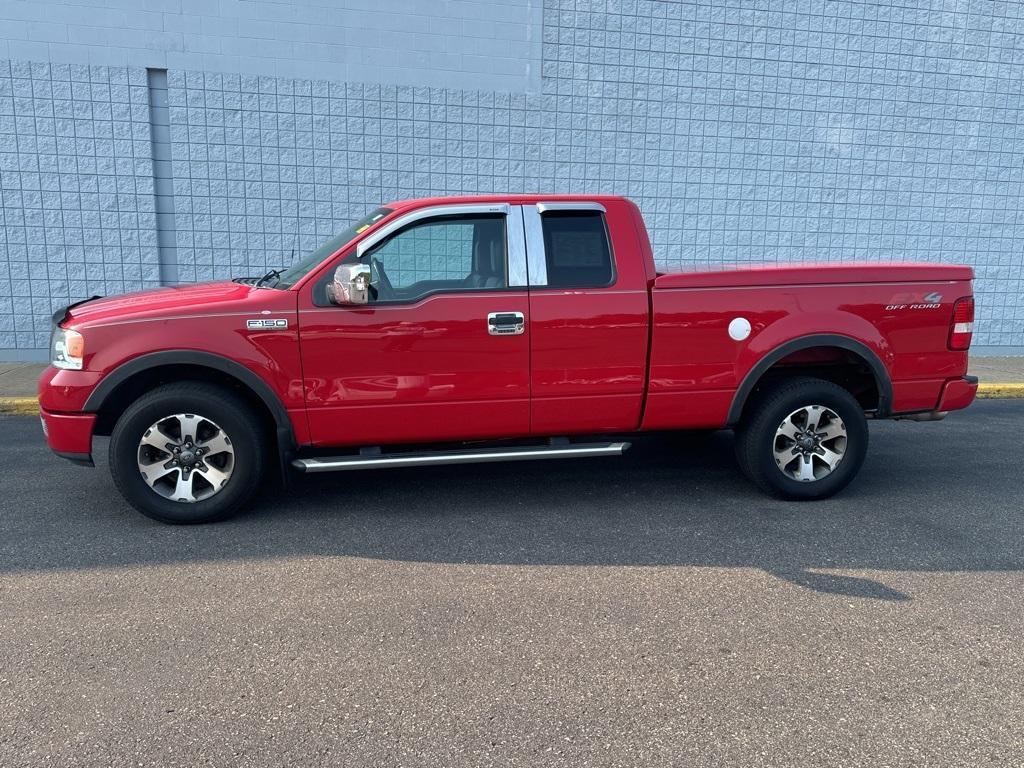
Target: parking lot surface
648,610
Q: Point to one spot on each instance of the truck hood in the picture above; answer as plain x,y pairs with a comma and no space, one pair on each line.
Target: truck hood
175,301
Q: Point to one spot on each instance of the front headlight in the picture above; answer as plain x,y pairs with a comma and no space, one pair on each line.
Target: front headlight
67,348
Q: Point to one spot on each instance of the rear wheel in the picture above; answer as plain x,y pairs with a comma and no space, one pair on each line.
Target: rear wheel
803,438
187,453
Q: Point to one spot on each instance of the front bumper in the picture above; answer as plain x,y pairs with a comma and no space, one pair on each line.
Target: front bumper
67,428
64,391
69,435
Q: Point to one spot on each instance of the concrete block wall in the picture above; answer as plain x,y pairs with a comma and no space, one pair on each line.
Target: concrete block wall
828,130
459,42
76,192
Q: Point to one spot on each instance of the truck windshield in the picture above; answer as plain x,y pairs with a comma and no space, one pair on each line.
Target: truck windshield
296,271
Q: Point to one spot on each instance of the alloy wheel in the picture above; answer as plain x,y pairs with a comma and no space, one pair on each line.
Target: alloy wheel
186,457
810,443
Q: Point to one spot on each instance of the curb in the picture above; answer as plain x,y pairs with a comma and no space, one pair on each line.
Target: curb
29,406
19,406
1000,390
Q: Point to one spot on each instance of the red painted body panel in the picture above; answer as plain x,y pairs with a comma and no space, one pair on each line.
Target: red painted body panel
412,373
814,274
69,433
957,394
647,352
692,351
589,360
209,318
589,346
66,391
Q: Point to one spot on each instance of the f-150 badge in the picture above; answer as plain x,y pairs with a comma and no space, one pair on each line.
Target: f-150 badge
268,324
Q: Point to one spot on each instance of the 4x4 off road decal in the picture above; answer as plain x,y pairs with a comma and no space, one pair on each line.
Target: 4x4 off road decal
268,324
912,301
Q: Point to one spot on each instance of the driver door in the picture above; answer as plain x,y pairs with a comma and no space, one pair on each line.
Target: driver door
442,349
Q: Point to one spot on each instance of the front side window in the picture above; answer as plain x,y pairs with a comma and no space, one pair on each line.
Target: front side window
441,254
576,249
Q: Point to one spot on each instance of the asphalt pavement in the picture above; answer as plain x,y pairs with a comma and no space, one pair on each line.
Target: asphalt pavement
649,610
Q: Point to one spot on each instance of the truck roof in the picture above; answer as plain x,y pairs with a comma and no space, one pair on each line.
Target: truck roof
511,198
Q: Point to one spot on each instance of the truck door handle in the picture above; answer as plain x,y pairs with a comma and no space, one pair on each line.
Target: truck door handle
505,323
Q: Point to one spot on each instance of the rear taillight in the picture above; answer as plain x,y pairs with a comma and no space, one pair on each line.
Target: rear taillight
963,324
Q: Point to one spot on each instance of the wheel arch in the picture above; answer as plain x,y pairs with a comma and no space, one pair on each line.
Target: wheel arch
755,375
107,399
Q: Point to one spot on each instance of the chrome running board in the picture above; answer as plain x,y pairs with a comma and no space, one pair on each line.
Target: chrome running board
470,456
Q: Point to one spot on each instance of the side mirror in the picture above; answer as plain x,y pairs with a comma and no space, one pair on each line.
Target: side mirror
351,285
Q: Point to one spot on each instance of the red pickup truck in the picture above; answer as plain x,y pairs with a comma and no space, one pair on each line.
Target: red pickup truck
498,328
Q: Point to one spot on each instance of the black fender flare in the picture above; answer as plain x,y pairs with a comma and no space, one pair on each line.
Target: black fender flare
878,369
283,425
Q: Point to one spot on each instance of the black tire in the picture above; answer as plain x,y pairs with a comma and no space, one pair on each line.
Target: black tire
756,437
220,406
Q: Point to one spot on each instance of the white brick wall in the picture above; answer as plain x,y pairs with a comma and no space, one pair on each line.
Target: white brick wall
477,44
819,130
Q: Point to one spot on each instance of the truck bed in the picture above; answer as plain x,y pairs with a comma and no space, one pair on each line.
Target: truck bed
897,314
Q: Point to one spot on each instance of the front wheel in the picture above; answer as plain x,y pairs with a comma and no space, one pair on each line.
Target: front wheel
804,438
187,453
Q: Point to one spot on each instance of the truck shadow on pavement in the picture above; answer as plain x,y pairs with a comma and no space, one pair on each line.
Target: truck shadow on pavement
928,499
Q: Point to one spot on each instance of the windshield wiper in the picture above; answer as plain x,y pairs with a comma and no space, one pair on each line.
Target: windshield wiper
273,274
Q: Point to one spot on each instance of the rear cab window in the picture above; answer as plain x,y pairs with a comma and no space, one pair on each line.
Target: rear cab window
577,249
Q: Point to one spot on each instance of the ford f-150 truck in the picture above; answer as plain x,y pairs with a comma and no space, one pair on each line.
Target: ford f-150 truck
497,328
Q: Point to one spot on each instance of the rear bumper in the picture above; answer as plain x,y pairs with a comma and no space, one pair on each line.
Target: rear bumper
955,395
958,393
69,435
